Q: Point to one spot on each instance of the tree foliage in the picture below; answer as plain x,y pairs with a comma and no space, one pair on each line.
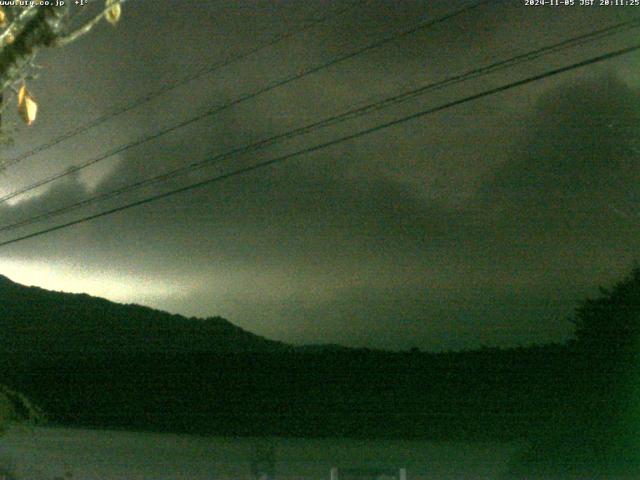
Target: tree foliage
598,434
25,30
608,339
610,324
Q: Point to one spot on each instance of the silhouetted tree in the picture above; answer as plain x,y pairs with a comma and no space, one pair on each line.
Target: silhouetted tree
25,29
608,349
610,324
597,434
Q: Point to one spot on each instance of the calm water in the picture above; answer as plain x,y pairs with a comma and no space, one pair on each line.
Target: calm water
44,453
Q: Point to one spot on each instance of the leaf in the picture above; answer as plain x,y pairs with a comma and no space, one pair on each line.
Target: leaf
21,94
3,17
27,106
113,14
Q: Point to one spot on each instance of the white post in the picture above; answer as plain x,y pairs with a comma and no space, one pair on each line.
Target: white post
334,473
403,474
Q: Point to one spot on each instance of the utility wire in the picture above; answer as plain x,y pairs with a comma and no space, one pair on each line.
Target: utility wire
219,108
332,120
174,85
320,146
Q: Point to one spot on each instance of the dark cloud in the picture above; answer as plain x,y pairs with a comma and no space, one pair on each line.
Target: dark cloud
574,177
483,224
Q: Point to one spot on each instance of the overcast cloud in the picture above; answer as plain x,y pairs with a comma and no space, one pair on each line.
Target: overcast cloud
483,224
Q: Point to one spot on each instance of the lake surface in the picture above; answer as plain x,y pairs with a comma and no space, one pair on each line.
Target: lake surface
47,452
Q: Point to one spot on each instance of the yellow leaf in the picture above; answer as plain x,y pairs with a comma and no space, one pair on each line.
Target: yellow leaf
27,107
21,93
113,14
3,17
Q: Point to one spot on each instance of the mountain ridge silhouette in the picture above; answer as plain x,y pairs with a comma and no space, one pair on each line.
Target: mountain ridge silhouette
33,319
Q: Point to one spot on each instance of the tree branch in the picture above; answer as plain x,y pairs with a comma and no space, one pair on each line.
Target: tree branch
86,28
17,26
35,27
40,26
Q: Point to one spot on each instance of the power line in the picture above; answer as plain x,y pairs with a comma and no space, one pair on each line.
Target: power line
174,85
320,146
219,108
332,120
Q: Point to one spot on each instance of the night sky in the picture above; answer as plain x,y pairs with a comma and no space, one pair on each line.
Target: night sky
484,224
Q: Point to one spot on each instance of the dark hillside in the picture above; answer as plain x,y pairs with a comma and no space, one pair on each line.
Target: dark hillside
37,320
87,361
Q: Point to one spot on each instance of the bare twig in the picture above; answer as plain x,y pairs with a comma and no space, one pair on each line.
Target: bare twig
86,28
